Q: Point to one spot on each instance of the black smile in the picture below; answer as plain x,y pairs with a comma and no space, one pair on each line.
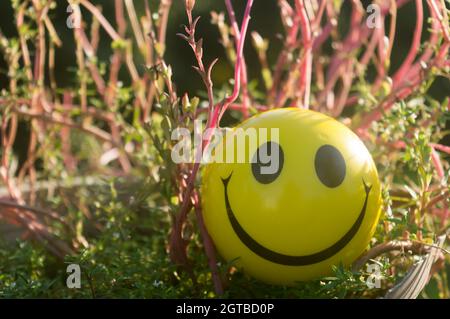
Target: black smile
289,260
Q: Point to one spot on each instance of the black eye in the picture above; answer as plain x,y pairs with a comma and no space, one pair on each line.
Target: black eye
330,166
267,162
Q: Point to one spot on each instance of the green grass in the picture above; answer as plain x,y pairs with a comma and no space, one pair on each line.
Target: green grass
127,258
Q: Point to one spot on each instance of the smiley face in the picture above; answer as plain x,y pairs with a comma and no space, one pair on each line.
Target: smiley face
317,207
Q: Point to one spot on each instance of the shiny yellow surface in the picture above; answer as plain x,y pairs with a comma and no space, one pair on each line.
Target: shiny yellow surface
296,214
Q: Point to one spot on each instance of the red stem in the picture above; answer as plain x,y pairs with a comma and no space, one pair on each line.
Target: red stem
401,72
306,65
244,77
209,249
437,163
239,60
215,113
442,148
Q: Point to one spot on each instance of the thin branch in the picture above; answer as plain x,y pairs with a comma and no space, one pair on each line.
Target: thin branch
416,247
135,25
99,16
95,131
210,251
45,213
306,65
239,60
237,36
399,75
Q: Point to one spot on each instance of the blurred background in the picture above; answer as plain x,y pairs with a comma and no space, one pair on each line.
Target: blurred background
265,19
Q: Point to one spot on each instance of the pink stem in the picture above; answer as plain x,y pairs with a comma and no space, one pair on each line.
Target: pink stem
440,18
214,116
400,93
306,65
408,82
442,148
291,40
239,59
437,163
244,77
399,75
323,36
106,25
318,18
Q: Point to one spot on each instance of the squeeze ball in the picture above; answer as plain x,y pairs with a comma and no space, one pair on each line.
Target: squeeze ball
317,207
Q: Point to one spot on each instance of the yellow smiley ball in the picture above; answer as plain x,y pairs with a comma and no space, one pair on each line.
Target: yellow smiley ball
318,208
